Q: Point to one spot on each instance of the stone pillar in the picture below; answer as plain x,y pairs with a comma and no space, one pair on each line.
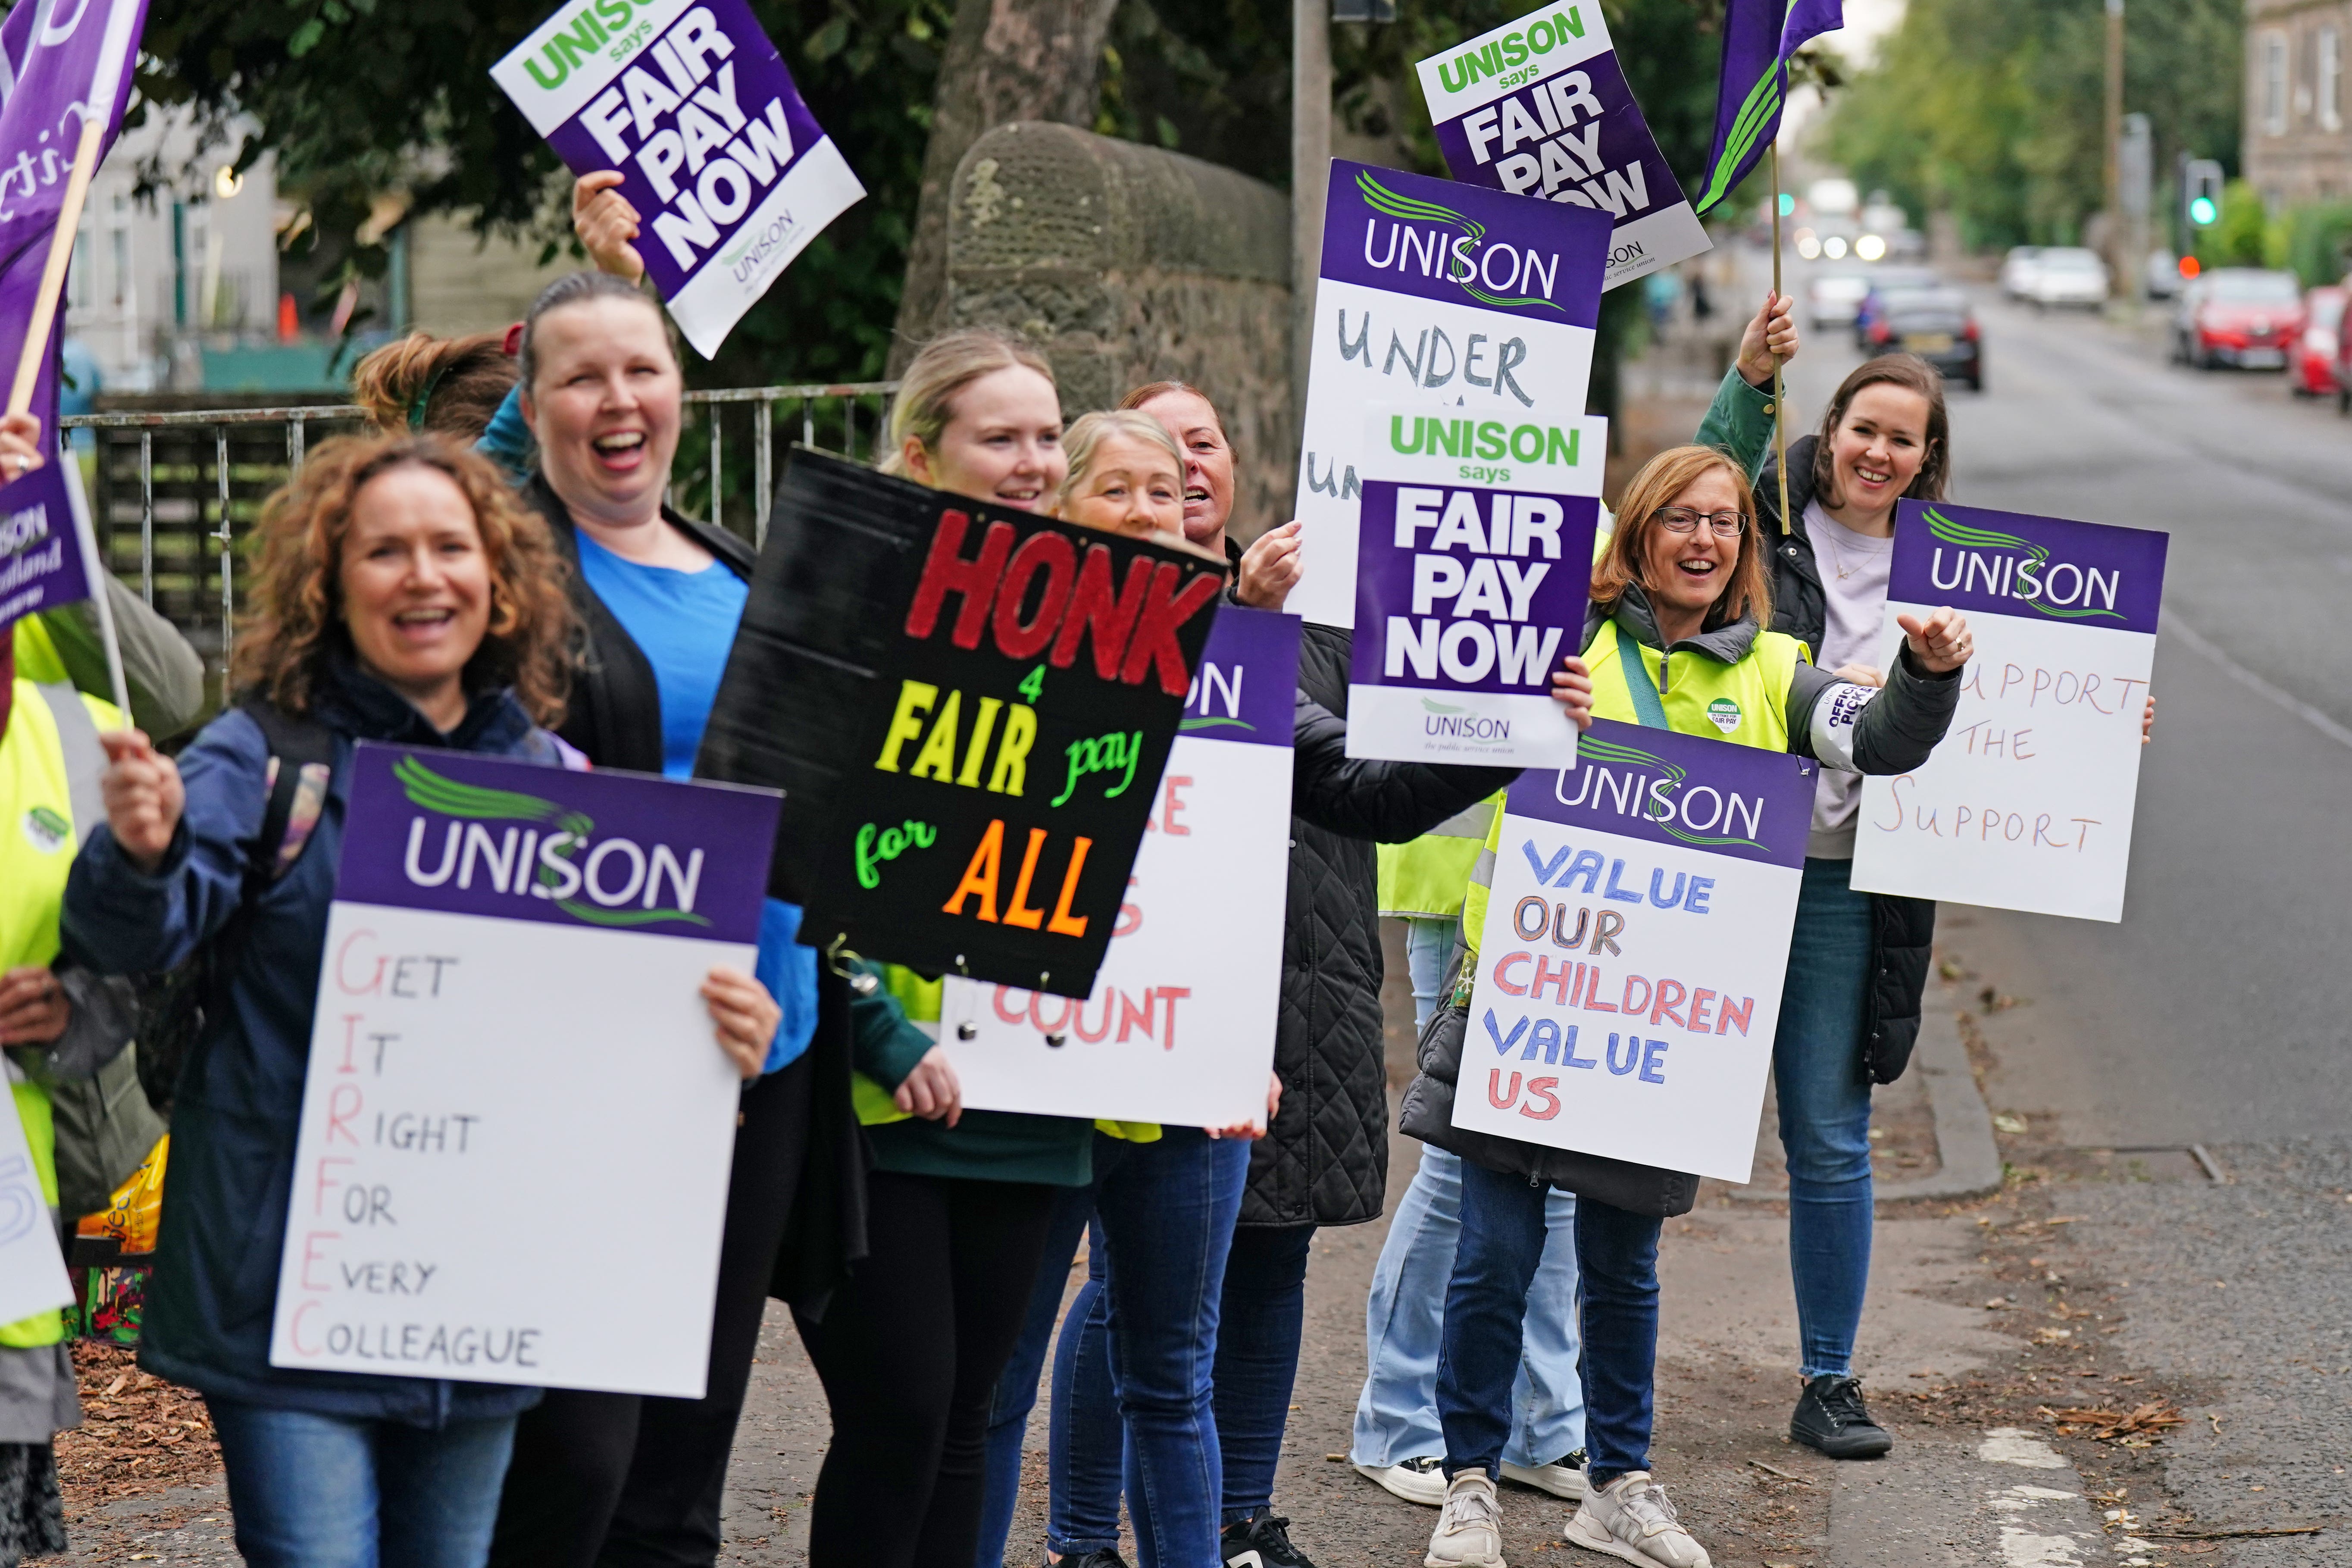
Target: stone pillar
1128,264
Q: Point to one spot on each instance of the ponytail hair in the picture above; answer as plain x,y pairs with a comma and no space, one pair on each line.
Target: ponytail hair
947,364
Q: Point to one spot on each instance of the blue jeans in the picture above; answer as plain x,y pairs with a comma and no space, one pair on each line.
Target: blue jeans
1825,1113
1396,1415
1494,1266
334,1491
1132,1373
1257,1358
1427,945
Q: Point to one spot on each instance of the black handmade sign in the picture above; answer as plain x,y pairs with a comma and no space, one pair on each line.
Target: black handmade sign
967,708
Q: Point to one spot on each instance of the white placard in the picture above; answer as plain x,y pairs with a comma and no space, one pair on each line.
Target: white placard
31,1271
1628,974
1180,1028
2028,802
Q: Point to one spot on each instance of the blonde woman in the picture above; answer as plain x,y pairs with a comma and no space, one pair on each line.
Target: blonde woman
1127,476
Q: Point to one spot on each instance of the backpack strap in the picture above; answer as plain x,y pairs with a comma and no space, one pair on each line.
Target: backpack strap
301,758
1647,706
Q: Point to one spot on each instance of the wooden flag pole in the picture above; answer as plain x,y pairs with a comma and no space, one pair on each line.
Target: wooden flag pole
1779,394
53,275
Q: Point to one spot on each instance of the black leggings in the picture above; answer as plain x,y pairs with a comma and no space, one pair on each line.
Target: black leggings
621,1480
910,1352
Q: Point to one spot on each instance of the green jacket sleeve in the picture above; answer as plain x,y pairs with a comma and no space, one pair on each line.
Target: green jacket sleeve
883,1044
164,675
1740,422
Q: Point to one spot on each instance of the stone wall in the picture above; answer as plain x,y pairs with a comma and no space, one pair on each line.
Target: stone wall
1128,264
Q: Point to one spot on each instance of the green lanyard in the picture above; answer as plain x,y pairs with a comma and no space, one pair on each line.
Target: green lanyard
1647,707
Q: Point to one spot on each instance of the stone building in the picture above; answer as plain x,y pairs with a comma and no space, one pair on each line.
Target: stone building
2298,144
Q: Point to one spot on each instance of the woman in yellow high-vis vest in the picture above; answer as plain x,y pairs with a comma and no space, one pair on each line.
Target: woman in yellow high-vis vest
51,1027
1675,635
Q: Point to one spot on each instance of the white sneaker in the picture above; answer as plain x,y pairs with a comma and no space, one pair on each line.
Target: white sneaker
1469,1531
1631,1518
1421,1480
1562,1478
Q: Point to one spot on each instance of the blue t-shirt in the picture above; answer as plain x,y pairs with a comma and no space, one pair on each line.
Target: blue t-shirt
685,624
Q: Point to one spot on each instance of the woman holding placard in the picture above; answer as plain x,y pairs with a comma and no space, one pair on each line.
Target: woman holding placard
402,596
659,596
1675,630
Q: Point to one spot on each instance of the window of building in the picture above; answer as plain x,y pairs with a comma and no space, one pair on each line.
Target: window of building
2273,86
2329,69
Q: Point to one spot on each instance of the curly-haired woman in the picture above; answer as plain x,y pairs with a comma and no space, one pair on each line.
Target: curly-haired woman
403,595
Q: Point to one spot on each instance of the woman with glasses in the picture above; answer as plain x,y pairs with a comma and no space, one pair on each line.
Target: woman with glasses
1679,604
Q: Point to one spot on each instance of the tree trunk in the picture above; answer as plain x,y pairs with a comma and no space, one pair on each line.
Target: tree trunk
1006,59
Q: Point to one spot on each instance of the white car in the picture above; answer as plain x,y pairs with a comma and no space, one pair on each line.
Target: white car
2017,270
2067,275
1833,298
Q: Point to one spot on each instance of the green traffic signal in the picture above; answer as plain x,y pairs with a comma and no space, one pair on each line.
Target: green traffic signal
2202,212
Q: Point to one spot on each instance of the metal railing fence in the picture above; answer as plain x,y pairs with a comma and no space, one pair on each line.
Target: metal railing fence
178,490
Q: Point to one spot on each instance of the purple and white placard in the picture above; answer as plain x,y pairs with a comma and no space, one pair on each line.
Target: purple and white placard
2028,802
1540,107
730,174
512,1068
1473,571
1629,971
45,556
1443,297
1180,1028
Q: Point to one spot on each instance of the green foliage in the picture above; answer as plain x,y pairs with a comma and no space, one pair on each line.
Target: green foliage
2242,238
1990,109
2318,241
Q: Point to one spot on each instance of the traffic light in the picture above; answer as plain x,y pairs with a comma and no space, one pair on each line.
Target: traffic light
2201,192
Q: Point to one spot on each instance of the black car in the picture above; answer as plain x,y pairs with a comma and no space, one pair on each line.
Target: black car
1935,324
1886,280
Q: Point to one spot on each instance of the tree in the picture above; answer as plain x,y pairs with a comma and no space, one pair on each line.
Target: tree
1989,110
1006,59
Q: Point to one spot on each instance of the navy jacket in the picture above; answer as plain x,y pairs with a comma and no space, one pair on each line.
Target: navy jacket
233,1125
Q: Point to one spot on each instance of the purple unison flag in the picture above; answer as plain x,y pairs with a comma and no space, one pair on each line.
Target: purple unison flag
42,565
730,174
50,54
1759,37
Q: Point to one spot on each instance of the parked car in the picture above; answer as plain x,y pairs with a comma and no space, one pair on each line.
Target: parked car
2161,275
1833,298
1882,280
2017,270
2311,362
2244,316
1937,325
2067,275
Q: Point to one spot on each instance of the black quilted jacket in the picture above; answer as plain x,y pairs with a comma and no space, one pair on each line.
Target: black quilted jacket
1326,1158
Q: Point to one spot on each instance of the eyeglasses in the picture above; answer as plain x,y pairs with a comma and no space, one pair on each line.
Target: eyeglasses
1683,520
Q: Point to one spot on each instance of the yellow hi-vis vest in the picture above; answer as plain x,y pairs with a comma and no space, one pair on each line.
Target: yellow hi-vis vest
1746,703
50,765
1423,879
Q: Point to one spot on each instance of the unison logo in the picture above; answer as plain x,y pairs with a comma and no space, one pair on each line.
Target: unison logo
2065,592
1691,815
531,862
1544,35
1458,258
1451,723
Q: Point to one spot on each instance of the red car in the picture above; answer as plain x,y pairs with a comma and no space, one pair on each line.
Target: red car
2311,363
2245,315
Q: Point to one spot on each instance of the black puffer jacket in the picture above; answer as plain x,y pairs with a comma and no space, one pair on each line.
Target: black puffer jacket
1326,1158
1902,930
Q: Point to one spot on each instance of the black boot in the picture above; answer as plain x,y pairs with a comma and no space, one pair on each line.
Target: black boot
1831,1417
1261,1543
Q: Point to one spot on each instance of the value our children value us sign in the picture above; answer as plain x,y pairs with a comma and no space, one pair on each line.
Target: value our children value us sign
512,1070
1540,107
1628,981
1440,297
1180,1028
729,172
1473,570
2028,802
